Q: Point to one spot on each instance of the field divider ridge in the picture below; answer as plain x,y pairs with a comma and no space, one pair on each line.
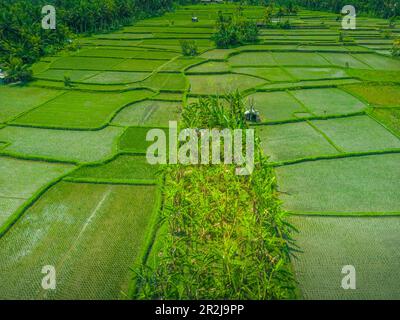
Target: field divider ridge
333,157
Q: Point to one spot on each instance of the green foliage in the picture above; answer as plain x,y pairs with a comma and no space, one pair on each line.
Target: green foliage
67,81
234,31
16,70
392,22
396,48
228,241
212,112
285,24
189,48
387,34
341,37
268,15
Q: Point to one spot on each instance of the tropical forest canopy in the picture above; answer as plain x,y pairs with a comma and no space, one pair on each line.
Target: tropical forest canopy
23,40
384,9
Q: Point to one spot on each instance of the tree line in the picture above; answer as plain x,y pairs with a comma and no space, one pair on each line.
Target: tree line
384,8
23,40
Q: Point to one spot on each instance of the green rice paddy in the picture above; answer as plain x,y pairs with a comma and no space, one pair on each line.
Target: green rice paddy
370,244
76,190
82,238
355,185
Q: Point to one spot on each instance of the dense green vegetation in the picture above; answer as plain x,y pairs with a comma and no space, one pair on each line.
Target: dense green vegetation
223,236
396,48
189,48
235,30
23,41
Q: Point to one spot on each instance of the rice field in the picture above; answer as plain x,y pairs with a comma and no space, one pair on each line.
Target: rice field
82,238
369,244
76,190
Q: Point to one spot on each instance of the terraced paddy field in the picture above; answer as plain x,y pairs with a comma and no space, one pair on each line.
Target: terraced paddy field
77,192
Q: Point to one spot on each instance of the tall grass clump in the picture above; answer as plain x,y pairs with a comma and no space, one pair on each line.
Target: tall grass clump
235,30
189,48
222,236
396,48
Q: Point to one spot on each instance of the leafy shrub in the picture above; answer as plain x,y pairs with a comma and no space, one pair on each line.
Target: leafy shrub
67,81
189,48
268,14
341,37
392,22
234,31
396,48
387,34
285,24
17,71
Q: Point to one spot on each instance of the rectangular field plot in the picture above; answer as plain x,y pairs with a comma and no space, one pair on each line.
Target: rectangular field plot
149,114
181,64
390,117
379,62
123,168
253,59
124,36
68,145
20,179
344,60
169,96
360,185
116,44
312,84
110,77
271,74
59,75
134,140
371,245
379,95
138,65
92,241
82,63
168,30
324,102
166,81
222,84
293,141
358,134
299,59
174,44
17,100
276,106
108,53
81,109
316,73
217,54
8,206
210,67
